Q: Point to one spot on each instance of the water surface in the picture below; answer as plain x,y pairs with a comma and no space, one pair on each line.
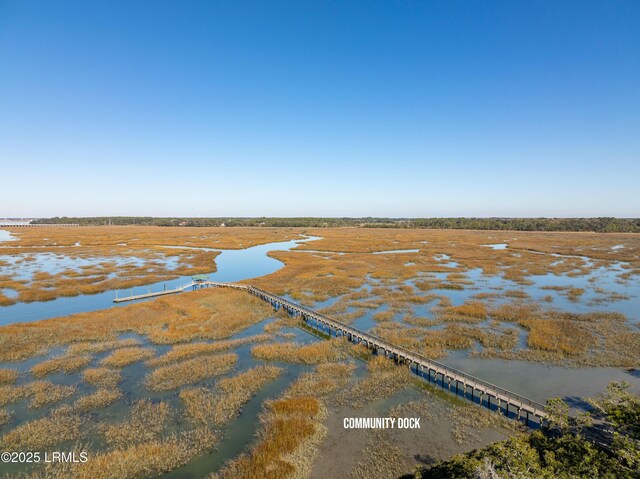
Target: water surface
231,266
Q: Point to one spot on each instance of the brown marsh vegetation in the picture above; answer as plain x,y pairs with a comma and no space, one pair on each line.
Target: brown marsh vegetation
185,351
99,399
206,314
145,423
102,377
384,379
291,429
125,356
220,406
104,245
101,346
361,281
153,438
136,461
41,393
60,425
5,416
312,353
148,427
8,375
333,273
190,371
66,364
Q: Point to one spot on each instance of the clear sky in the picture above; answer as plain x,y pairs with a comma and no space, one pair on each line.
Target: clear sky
320,108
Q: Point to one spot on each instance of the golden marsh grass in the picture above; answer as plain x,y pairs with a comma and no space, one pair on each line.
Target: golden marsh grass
97,400
207,314
313,353
204,406
125,356
185,351
66,364
8,376
5,416
45,392
104,244
190,371
291,430
147,459
146,423
103,378
60,425
101,346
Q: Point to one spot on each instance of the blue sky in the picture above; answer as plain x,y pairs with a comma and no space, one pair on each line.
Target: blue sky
317,108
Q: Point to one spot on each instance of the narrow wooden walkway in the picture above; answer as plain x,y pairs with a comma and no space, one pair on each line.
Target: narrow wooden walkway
465,385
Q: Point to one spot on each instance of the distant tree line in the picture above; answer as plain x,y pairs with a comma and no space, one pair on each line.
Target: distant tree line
599,225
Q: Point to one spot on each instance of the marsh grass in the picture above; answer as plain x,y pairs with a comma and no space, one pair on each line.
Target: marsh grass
10,394
274,327
204,406
199,404
185,351
40,392
8,376
313,353
101,346
206,314
468,311
190,371
467,420
45,392
110,243
145,423
60,425
136,461
103,378
384,380
237,390
380,458
5,416
290,433
125,356
97,400
384,315
327,378
418,321
66,364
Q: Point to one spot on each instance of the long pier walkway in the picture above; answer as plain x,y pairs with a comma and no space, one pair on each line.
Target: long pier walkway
464,385
180,289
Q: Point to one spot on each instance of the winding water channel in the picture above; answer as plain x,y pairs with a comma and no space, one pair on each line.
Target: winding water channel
534,380
231,265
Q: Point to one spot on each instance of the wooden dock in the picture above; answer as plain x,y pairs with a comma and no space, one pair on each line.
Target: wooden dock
464,385
180,289
150,295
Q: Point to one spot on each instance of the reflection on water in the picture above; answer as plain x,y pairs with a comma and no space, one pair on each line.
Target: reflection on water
25,265
539,381
496,246
6,236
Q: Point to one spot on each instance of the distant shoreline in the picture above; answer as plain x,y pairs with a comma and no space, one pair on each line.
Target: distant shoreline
596,225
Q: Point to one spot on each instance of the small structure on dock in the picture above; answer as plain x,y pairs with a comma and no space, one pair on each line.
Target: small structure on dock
199,281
